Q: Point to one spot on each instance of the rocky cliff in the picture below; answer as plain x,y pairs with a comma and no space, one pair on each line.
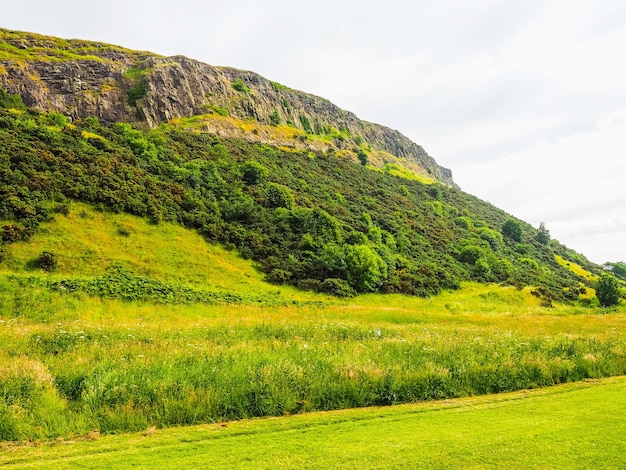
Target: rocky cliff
82,78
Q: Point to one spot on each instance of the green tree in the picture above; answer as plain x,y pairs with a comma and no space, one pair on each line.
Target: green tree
253,172
277,195
543,234
363,158
333,259
512,229
618,269
608,290
366,270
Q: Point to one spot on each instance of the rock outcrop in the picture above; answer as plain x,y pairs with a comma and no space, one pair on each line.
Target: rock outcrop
80,78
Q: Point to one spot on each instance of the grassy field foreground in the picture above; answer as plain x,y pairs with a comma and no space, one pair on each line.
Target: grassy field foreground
78,357
568,426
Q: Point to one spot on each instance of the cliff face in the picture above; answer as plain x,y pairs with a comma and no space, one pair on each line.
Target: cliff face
80,78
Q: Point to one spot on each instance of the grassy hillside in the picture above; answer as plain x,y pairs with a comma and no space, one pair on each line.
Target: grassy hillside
312,220
88,242
573,426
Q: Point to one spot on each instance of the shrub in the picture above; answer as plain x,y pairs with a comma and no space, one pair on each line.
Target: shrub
218,109
608,290
435,191
492,237
239,85
137,91
512,229
275,119
47,261
62,208
279,276
14,232
333,260
10,101
529,263
482,268
279,86
337,287
306,124
253,172
464,222
55,119
123,231
470,254
309,284
363,158
277,195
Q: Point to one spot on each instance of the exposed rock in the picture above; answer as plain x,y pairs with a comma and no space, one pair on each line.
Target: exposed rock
115,84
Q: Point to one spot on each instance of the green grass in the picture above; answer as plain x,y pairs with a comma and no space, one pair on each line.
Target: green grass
76,360
572,426
88,242
576,269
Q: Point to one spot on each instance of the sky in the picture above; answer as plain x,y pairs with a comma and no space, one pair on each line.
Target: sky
524,101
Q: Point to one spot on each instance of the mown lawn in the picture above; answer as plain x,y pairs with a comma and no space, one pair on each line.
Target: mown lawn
567,426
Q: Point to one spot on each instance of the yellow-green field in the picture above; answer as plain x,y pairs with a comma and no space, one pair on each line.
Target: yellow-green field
74,364
568,426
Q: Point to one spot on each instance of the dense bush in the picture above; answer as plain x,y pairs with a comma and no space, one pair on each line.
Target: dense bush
470,254
253,172
275,119
512,229
608,290
337,287
300,218
47,261
363,158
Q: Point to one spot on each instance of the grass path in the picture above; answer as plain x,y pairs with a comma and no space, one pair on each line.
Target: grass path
578,425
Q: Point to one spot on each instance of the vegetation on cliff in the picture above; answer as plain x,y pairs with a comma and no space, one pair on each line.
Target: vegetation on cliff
83,79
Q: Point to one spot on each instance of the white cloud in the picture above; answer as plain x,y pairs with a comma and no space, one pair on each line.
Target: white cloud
574,184
524,101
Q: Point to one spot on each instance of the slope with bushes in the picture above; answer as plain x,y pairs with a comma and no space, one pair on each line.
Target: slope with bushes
308,219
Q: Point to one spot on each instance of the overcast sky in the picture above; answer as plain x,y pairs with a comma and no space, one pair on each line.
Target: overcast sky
524,100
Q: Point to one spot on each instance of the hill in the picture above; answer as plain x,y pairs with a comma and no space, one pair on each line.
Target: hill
218,158
224,262
310,219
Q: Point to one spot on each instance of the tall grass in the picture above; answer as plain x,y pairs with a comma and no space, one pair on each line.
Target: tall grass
194,364
71,363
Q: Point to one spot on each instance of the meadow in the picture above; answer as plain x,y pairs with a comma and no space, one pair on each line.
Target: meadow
76,362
